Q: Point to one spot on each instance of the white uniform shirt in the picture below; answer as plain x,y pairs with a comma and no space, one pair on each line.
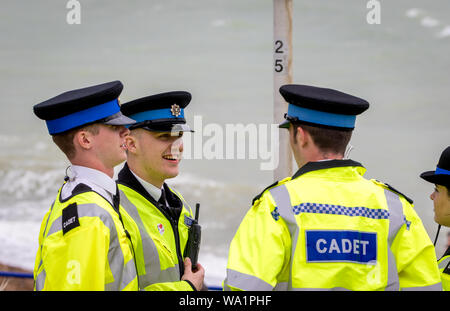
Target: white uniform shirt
98,181
154,191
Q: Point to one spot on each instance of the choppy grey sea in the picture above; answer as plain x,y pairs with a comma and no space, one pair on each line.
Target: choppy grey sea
221,52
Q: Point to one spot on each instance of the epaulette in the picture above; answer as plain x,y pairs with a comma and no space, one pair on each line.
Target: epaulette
396,191
80,188
259,195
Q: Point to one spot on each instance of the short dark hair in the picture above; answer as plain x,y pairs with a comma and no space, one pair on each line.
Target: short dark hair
326,139
64,140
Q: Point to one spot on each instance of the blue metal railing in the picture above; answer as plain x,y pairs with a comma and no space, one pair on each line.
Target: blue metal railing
216,288
8,274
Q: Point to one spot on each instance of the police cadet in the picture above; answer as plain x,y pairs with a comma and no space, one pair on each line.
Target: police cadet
327,227
162,215
441,201
83,244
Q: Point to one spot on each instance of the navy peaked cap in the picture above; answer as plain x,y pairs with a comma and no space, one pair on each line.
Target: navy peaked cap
93,104
441,175
321,107
159,112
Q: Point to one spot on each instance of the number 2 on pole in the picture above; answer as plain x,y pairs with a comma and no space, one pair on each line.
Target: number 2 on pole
280,45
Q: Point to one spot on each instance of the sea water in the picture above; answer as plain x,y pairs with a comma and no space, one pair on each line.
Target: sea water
221,52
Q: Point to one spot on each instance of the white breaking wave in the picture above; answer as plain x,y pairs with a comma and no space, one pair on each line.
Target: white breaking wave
19,243
429,22
444,32
24,184
413,13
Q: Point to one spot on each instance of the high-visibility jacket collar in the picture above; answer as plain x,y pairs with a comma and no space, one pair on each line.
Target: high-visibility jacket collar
127,178
447,253
314,166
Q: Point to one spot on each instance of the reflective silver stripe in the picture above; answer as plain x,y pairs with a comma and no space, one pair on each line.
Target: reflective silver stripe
55,227
48,218
129,273
434,287
153,273
395,214
393,283
151,257
169,274
282,200
40,280
115,255
444,262
128,276
123,274
282,286
396,221
245,281
226,288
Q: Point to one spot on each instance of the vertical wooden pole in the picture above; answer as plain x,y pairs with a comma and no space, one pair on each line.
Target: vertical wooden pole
282,61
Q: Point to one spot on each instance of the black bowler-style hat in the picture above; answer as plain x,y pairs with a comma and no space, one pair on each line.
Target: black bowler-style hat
321,107
93,104
162,112
441,175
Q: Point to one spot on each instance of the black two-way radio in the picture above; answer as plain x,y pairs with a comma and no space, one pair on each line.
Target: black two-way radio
193,243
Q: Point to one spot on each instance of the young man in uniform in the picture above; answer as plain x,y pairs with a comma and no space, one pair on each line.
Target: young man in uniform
161,214
441,201
327,227
83,244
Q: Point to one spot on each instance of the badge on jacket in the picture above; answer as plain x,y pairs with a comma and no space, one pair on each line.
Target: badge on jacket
70,218
341,246
160,228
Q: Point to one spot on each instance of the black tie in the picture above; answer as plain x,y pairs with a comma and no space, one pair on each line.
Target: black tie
162,199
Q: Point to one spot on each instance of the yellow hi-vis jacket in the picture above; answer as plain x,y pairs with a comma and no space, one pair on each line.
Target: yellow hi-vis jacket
328,228
158,239
83,246
444,268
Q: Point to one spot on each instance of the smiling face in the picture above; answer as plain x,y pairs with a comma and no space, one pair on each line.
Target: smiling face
441,202
154,156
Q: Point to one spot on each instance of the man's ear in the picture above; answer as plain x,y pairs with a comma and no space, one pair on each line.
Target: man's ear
84,139
299,136
132,143
303,136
